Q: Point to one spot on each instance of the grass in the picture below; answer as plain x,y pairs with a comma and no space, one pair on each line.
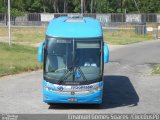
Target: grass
29,35
20,58
156,69
32,36
123,37
25,36
17,58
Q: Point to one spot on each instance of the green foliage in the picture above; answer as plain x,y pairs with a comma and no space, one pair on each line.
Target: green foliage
156,69
97,6
151,6
1,9
11,64
36,6
77,3
15,12
102,6
122,37
1,6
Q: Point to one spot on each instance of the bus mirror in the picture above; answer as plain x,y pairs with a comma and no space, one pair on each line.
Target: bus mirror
40,52
106,53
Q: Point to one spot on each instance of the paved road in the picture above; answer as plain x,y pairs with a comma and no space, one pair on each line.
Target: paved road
129,87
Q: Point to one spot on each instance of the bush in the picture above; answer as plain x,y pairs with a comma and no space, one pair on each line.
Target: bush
16,12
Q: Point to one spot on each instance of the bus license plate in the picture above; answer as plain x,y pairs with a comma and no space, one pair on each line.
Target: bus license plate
72,99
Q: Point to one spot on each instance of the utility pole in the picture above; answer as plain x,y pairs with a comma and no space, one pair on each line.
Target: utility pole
9,23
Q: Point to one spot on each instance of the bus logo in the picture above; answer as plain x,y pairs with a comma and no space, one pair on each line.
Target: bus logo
60,88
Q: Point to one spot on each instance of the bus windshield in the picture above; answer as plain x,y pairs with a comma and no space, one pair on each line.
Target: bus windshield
72,60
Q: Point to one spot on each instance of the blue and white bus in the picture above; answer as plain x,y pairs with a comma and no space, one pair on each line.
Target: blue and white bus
73,55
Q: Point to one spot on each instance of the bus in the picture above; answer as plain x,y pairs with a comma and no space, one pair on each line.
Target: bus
73,55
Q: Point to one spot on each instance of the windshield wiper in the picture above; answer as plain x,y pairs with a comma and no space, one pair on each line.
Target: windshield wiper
65,76
70,71
81,72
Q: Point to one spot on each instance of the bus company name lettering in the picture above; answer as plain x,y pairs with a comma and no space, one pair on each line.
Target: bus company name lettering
85,87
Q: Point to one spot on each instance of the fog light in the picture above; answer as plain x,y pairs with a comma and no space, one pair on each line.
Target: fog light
72,99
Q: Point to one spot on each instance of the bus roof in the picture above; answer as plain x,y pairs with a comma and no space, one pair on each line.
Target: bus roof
67,27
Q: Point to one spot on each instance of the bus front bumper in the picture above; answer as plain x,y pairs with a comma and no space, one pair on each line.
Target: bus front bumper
92,98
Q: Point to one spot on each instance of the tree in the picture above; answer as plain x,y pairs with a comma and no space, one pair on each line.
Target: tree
65,6
90,6
77,6
101,7
36,6
149,6
1,6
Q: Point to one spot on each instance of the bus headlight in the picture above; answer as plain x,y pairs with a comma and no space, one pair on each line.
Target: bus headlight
48,89
97,89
